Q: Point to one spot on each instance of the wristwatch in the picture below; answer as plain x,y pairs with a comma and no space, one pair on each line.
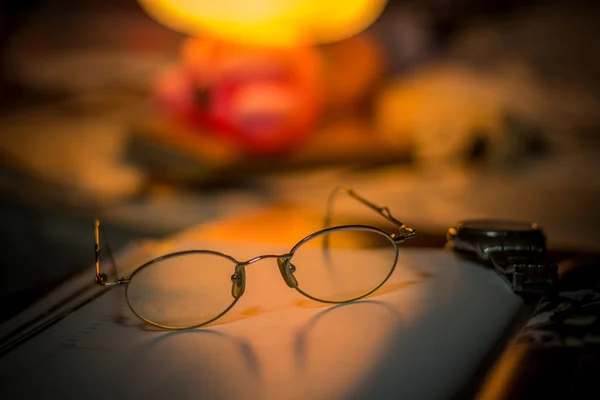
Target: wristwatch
516,250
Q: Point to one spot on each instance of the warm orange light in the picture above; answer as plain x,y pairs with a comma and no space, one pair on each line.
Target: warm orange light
273,22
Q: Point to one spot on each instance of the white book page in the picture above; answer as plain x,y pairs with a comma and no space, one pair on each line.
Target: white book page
421,336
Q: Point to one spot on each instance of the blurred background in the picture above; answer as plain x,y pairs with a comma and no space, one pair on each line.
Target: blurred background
158,115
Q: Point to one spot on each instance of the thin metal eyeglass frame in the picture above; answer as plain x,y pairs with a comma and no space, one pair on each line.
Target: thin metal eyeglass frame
283,260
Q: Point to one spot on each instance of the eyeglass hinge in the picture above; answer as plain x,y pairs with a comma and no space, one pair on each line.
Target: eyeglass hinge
102,279
404,234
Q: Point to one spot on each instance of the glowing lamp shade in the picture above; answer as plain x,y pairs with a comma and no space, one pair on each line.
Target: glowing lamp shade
273,22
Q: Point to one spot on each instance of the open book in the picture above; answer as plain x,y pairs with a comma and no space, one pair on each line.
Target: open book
421,336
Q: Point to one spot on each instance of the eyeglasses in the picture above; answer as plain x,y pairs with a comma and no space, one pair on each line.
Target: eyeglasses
192,288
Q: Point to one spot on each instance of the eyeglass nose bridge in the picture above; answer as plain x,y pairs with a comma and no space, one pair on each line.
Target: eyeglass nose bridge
287,270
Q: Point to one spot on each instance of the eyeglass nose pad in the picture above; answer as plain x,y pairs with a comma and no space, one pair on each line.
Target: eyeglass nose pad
239,282
287,270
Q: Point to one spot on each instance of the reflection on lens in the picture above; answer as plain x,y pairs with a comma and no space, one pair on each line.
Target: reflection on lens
182,290
344,264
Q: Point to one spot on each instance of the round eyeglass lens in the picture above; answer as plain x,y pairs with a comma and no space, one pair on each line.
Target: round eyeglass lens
183,290
344,264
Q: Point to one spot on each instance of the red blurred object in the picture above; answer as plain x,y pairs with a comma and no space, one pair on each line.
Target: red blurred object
265,100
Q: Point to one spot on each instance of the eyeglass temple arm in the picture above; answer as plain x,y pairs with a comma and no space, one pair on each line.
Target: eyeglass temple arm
101,277
405,232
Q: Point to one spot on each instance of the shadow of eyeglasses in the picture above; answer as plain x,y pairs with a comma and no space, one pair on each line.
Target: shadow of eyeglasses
302,335
199,361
